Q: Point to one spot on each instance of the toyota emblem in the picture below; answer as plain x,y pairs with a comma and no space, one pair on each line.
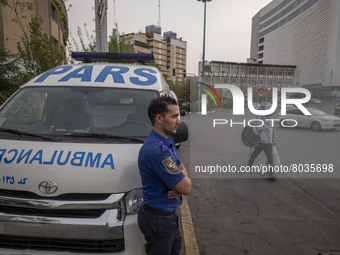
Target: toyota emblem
48,187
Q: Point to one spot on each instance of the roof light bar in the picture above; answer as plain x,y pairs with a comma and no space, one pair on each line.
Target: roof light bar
89,57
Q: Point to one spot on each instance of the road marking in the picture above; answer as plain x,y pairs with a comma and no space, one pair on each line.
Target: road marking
190,241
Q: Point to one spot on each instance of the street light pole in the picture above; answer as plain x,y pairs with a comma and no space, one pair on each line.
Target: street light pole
203,56
205,14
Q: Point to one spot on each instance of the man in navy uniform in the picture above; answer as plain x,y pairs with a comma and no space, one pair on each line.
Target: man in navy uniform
164,179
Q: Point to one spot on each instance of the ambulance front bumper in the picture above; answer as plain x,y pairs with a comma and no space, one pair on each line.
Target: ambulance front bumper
29,226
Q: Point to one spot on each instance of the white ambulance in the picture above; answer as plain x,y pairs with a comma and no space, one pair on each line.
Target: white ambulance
69,142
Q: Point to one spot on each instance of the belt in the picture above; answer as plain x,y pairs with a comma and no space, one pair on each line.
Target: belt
157,212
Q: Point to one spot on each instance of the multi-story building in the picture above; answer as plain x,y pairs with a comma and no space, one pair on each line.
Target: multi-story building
55,23
244,75
249,74
138,42
176,55
169,51
305,33
158,46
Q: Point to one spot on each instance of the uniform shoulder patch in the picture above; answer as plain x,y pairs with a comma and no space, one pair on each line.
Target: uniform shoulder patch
171,166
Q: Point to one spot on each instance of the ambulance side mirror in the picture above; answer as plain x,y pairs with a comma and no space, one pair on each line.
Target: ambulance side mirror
182,133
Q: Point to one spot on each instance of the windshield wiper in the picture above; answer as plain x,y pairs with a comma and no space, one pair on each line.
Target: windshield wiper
103,136
22,133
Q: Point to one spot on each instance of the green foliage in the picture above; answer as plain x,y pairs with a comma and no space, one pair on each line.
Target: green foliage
91,46
115,45
39,52
17,6
8,67
63,17
154,64
10,75
20,9
182,91
119,45
61,9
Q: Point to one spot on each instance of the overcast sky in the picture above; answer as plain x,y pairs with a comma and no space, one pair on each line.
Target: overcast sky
228,28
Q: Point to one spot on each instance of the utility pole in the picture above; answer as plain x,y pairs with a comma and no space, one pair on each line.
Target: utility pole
203,57
115,25
159,13
114,13
101,25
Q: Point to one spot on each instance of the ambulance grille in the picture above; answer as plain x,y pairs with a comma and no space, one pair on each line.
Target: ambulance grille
61,245
67,197
93,213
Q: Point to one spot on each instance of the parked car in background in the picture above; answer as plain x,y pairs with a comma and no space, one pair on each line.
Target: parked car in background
288,107
264,104
257,106
315,101
317,121
337,110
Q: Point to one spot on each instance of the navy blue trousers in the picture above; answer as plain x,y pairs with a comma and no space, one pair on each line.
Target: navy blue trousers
160,232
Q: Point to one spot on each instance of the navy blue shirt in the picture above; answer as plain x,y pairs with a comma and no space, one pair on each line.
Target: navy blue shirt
159,164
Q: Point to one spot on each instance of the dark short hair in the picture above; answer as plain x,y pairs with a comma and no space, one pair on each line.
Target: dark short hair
159,105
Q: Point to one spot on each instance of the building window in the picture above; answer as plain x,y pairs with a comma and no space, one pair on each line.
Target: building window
253,82
280,73
243,81
54,13
271,72
207,68
261,40
216,80
234,70
252,72
290,73
243,71
262,72
215,69
225,80
207,78
289,82
224,69
233,80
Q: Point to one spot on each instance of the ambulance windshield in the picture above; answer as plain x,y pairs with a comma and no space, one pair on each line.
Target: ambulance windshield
61,111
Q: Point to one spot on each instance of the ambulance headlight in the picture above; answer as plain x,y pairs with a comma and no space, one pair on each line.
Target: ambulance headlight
133,200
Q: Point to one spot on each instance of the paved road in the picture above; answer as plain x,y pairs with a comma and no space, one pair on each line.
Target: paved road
252,215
